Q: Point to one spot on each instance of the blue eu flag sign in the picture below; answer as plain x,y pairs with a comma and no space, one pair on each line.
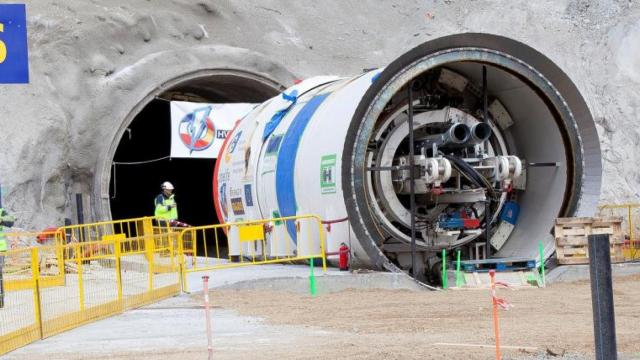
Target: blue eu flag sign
14,59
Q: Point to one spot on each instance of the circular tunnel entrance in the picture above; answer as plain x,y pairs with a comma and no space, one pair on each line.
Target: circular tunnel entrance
537,118
141,161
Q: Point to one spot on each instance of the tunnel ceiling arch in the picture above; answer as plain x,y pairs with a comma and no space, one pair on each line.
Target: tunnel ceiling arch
213,85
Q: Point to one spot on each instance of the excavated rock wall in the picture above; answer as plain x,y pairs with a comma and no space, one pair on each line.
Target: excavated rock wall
93,61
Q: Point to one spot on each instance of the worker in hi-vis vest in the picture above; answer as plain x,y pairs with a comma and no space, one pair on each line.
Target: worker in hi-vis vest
166,207
5,220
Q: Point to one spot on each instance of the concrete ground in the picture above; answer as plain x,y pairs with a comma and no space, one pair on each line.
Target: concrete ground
232,276
581,272
176,325
258,319
174,328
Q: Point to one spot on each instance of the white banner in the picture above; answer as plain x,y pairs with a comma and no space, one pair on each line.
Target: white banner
198,129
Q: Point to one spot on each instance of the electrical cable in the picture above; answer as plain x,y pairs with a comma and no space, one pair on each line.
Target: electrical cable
141,162
114,163
473,175
456,163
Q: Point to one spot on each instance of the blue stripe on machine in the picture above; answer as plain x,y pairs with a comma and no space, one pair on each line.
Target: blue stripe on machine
285,191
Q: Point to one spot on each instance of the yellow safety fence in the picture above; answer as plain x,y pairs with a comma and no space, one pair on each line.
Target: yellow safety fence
22,239
252,243
629,213
92,271
20,243
119,265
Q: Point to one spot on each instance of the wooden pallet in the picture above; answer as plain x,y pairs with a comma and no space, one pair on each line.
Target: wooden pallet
571,238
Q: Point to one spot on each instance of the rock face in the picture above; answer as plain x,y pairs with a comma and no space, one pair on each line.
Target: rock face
92,64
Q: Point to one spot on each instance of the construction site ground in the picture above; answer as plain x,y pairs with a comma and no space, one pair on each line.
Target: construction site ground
549,323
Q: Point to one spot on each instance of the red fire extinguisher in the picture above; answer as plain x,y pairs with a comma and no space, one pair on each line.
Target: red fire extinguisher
344,257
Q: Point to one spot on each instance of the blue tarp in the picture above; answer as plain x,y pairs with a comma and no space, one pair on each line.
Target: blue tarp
279,115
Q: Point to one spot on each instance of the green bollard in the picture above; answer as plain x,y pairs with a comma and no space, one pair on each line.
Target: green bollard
312,279
444,268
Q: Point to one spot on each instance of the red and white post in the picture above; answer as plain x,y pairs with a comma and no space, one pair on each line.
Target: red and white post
207,312
496,324
497,302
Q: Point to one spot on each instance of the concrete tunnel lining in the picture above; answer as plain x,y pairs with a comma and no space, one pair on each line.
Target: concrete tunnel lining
576,126
213,85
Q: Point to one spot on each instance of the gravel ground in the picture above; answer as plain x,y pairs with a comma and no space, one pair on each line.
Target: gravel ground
557,321
550,323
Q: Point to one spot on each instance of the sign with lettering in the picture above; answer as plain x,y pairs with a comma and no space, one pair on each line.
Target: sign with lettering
198,130
14,57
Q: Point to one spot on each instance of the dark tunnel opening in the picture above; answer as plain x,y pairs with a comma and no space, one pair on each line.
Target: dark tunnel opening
141,162
136,177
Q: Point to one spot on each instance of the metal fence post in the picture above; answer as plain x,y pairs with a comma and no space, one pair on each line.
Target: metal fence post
183,279
172,250
62,236
323,249
35,273
149,239
602,297
79,258
181,260
118,255
205,289
148,236
150,256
